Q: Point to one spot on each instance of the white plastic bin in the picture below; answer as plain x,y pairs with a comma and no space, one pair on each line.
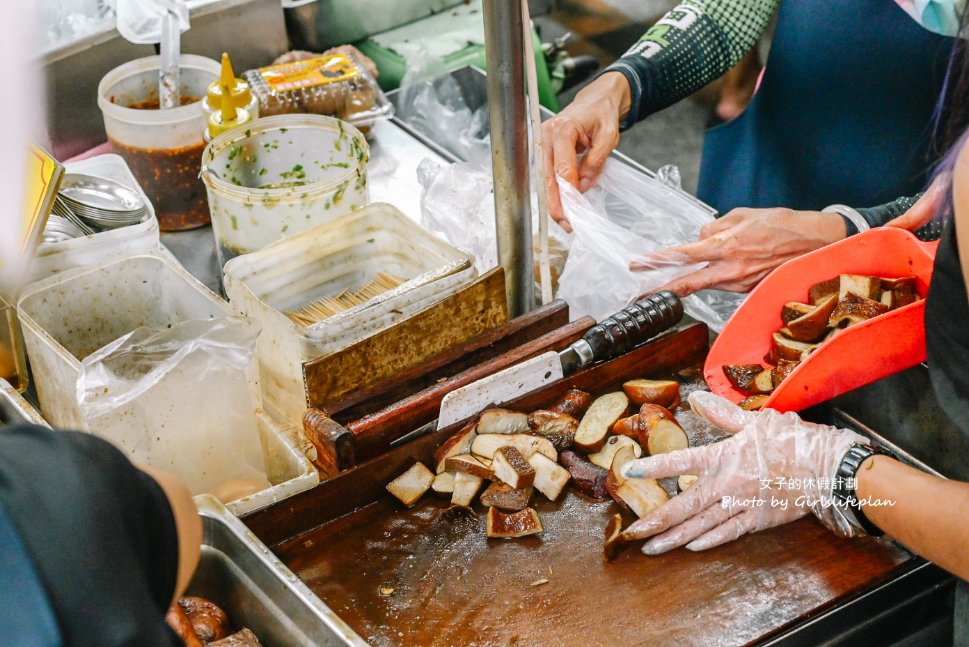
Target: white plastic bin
68,316
287,467
52,258
322,261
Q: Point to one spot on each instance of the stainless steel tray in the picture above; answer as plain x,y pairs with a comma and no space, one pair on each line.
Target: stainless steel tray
256,590
14,409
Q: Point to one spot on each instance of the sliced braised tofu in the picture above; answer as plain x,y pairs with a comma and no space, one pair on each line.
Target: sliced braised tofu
867,287
819,291
502,421
517,524
785,348
686,481
558,428
753,402
511,467
853,309
550,477
412,484
782,370
792,310
485,445
443,484
615,542
459,443
742,375
466,486
468,464
615,478
501,495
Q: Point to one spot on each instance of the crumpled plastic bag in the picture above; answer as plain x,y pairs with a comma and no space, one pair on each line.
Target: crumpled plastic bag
458,204
140,21
178,399
431,102
624,217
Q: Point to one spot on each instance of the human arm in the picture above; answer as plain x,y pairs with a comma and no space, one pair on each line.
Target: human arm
927,514
930,516
742,247
188,526
694,43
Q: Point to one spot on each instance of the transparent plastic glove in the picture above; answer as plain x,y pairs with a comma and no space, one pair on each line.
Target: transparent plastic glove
774,469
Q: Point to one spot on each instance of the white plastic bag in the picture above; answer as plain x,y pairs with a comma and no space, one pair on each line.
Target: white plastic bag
140,21
178,399
432,103
458,204
626,216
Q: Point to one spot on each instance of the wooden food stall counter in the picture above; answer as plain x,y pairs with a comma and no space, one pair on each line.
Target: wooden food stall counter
428,575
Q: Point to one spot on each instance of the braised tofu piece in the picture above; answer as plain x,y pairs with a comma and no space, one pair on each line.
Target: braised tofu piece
466,486
485,445
502,421
819,291
558,428
443,484
852,309
511,467
459,443
412,484
505,497
468,464
753,402
867,287
517,524
603,457
642,495
550,477
782,370
792,310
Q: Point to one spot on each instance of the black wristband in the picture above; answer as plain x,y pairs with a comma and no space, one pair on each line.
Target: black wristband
844,485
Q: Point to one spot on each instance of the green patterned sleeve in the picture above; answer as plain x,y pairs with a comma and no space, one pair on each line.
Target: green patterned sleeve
693,44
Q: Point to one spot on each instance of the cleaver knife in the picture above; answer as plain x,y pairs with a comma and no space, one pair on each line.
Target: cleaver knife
630,327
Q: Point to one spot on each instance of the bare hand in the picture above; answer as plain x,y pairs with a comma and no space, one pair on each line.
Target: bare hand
742,247
924,210
590,123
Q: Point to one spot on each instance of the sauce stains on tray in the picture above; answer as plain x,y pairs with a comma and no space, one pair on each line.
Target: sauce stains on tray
429,576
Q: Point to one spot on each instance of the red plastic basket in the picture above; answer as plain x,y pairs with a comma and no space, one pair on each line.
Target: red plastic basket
859,355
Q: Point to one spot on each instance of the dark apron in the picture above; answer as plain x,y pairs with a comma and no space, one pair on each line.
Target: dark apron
26,618
843,113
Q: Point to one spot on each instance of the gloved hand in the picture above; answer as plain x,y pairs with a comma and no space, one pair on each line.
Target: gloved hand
740,489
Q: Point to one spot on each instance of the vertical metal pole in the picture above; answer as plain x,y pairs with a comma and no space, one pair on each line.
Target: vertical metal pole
504,45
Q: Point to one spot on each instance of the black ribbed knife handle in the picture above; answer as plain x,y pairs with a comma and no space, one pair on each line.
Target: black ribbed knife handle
634,325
